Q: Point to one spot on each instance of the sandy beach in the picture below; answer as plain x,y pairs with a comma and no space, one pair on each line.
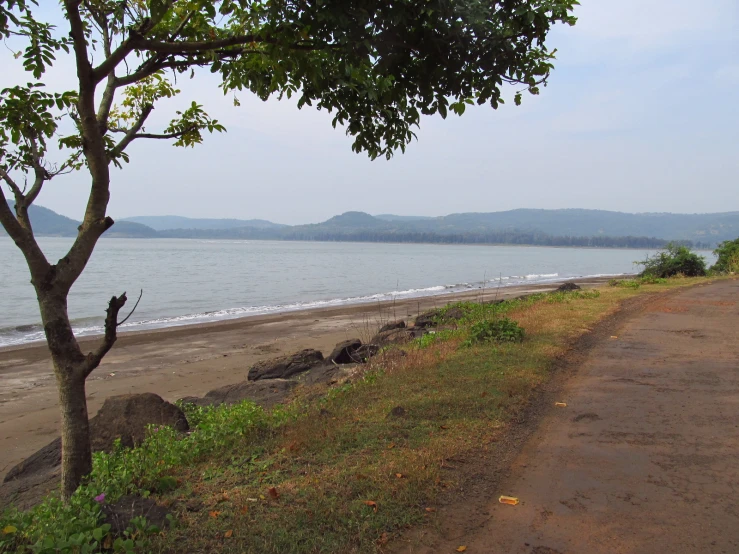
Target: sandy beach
191,360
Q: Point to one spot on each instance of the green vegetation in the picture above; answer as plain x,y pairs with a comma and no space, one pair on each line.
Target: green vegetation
333,474
497,330
728,257
675,259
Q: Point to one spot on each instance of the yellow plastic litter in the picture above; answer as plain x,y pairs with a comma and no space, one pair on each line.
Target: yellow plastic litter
510,500
561,404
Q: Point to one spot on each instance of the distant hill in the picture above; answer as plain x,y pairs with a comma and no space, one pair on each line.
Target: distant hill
165,222
51,224
391,217
574,227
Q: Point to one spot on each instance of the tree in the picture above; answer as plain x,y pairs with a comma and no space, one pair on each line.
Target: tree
674,259
375,65
727,257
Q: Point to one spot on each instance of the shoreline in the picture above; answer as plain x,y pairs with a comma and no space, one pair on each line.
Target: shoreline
319,305
191,360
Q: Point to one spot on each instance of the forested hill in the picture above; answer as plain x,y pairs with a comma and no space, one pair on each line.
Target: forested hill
573,227
51,224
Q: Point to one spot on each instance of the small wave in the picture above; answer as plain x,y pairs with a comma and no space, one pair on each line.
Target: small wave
86,326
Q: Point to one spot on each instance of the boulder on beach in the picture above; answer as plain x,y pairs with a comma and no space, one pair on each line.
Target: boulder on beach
365,352
283,367
266,393
568,287
434,317
328,374
400,324
345,352
428,319
123,417
126,417
396,336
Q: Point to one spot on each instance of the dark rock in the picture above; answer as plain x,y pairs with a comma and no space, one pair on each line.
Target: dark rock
397,411
568,287
120,513
125,417
265,393
345,352
428,319
285,366
327,374
50,456
396,336
453,314
30,489
365,352
392,325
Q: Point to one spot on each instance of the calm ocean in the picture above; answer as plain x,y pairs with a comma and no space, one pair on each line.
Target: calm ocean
196,281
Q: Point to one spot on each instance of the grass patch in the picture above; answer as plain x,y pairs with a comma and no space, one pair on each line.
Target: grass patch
344,473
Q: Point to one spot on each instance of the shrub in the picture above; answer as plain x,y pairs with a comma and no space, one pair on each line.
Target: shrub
625,283
498,330
673,260
728,257
77,528
652,280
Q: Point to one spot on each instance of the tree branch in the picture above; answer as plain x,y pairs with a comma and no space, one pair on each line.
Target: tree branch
111,325
13,186
178,134
131,133
23,238
8,220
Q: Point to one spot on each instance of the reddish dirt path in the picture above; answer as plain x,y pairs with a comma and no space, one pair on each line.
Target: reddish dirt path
645,457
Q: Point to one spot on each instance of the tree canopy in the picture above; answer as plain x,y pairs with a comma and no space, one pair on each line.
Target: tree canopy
376,65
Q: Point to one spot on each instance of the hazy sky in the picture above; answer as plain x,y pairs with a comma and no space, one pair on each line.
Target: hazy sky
640,115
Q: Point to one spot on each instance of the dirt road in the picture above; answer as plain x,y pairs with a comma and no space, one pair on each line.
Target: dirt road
645,457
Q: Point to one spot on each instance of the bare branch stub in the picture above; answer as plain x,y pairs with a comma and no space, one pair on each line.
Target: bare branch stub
111,325
133,310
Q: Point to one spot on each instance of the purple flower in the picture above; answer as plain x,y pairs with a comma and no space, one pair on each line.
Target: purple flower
156,429
100,498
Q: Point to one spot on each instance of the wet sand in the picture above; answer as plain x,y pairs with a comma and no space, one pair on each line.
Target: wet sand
191,360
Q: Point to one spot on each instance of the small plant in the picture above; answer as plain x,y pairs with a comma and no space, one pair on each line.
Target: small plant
728,257
499,330
625,283
673,260
651,280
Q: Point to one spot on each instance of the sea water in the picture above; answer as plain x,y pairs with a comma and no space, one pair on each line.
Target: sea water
198,281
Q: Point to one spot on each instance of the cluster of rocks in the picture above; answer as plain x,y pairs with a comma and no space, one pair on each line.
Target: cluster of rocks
269,382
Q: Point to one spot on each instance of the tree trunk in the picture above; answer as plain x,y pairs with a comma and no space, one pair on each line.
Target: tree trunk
76,451
71,372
